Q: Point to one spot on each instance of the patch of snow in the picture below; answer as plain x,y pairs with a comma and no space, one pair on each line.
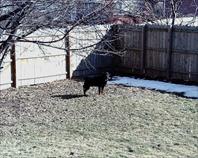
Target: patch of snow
185,90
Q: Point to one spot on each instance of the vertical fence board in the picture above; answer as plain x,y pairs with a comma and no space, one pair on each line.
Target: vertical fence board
5,74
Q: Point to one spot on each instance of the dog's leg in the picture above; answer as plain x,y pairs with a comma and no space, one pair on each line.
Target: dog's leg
99,90
85,88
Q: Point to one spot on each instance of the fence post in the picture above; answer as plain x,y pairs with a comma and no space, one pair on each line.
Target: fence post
144,48
13,66
170,52
116,46
68,57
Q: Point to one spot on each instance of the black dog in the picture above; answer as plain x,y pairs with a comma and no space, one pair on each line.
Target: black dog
97,81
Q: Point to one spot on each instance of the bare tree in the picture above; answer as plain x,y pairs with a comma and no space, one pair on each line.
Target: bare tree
20,18
161,9
170,9
175,4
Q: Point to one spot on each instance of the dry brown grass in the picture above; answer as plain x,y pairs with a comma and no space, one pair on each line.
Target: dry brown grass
55,120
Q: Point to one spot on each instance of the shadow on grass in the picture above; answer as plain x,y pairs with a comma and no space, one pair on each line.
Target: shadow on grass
68,96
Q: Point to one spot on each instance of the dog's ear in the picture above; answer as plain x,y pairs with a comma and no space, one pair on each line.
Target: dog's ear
108,75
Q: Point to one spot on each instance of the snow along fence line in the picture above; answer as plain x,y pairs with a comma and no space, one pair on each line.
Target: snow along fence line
183,90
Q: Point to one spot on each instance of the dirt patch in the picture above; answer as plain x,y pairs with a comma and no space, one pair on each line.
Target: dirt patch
56,120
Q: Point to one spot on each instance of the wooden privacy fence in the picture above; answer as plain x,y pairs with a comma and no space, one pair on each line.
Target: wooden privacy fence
159,51
150,50
32,63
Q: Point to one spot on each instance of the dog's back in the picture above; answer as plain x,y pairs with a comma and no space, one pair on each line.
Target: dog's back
98,81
